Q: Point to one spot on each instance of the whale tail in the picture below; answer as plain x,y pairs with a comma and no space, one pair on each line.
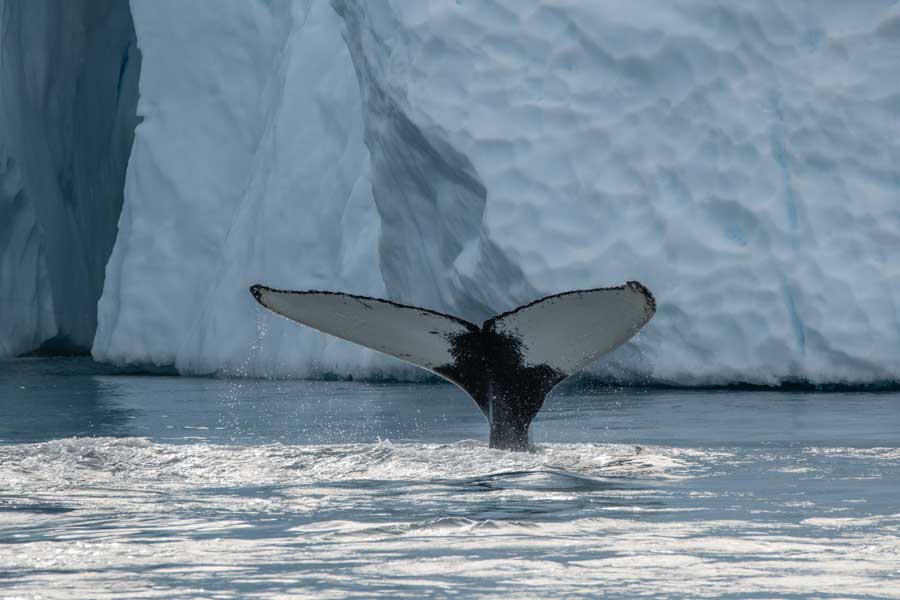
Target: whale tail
507,365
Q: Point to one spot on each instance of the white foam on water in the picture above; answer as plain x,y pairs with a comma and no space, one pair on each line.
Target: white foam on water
91,517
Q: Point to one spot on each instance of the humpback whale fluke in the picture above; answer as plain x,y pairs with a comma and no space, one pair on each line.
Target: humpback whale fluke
507,365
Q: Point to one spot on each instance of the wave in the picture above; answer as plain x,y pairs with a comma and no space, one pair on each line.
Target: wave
467,463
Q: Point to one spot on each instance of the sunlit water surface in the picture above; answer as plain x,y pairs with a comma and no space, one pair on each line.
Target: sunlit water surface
117,485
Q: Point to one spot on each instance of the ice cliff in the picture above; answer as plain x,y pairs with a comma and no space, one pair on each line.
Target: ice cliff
68,90
249,165
740,159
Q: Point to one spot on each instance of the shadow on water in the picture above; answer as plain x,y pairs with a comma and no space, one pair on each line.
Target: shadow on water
541,480
13,504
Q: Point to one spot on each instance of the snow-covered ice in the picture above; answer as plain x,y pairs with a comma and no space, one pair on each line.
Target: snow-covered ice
249,165
740,160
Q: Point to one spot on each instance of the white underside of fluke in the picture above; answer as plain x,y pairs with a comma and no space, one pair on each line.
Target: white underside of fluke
570,331
566,331
415,335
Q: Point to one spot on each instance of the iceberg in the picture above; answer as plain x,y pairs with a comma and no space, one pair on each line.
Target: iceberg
469,157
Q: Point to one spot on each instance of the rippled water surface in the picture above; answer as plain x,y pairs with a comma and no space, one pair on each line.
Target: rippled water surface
118,485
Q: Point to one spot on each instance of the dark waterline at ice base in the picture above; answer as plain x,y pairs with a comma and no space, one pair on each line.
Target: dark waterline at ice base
153,486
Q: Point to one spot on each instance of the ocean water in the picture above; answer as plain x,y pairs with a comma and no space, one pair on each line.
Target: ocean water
147,486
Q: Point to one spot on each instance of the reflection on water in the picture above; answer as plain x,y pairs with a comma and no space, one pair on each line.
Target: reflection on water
43,399
179,487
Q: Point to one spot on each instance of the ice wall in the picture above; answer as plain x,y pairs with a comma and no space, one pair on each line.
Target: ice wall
740,159
249,166
68,91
